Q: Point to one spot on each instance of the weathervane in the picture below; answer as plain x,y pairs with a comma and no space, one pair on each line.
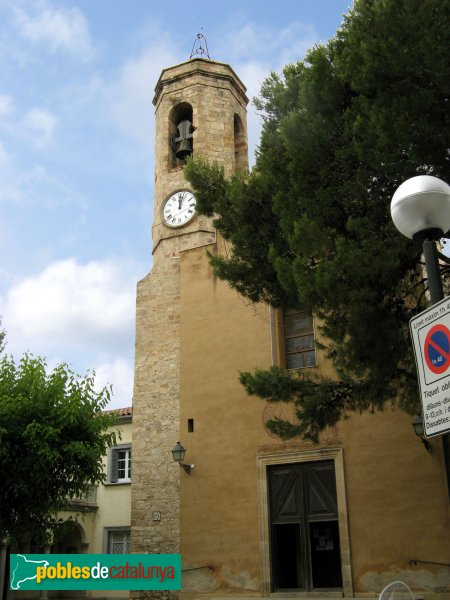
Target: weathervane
197,48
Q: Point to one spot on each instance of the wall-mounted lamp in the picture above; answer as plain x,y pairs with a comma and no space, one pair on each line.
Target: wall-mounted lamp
419,430
178,453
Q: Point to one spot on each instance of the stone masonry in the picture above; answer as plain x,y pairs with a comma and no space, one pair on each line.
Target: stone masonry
217,98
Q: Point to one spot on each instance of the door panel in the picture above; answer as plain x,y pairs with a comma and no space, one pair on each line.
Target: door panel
325,554
287,540
285,494
305,549
321,489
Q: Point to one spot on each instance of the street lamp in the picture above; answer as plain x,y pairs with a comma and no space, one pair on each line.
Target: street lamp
420,209
178,453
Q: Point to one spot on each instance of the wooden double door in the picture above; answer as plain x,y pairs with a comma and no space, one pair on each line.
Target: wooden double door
304,527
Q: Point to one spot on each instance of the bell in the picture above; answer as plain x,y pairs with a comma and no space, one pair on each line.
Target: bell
183,143
184,149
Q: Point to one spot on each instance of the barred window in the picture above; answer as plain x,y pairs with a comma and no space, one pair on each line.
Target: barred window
119,541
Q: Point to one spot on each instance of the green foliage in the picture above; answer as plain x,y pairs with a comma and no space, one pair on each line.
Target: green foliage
310,227
2,339
53,436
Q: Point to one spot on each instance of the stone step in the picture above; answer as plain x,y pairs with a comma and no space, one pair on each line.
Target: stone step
278,596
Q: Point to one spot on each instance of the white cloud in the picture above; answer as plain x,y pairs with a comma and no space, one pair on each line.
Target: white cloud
130,96
9,186
131,99
39,124
119,373
82,314
5,159
59,29
6,105
272,47
72,306
252,74
34,186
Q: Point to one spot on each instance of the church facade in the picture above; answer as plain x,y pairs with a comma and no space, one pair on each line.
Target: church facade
253,515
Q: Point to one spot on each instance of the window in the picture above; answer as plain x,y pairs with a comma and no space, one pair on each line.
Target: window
118,540
120,464
299,339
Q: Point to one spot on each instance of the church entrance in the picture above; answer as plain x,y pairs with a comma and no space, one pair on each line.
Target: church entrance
304,527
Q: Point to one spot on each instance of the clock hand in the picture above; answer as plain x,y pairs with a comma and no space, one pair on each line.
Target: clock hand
181,212
181,197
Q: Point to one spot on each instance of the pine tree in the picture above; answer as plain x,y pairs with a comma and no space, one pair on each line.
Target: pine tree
310,226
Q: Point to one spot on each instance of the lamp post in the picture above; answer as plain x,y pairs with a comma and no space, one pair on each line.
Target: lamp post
420,209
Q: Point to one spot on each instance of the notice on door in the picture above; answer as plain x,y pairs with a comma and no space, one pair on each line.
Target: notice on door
430,332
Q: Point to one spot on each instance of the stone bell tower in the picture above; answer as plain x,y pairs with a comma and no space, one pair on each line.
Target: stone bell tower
200,111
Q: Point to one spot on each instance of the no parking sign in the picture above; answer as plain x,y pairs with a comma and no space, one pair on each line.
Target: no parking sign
430,332
437,349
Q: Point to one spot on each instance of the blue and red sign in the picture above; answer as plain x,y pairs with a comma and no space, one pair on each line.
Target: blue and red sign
437,349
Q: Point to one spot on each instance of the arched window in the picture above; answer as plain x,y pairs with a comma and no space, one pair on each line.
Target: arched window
180,134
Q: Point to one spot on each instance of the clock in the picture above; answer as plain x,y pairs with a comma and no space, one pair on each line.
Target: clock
179,208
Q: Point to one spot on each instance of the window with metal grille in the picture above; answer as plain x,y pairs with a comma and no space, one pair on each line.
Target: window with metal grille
299,339
119,470
119,541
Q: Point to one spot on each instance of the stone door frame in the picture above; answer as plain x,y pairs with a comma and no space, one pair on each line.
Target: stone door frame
263,461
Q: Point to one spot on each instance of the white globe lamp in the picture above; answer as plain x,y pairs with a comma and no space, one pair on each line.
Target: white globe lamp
420,209
422,204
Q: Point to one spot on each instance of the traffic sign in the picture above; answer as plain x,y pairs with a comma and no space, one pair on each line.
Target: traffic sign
437,349
430,332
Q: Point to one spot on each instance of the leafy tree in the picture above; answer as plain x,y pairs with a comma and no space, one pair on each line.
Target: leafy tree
310,227
2,338
53,436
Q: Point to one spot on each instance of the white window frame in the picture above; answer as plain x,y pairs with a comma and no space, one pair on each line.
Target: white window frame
114,466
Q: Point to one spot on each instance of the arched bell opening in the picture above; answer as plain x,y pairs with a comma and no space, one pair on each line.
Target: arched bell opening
181,142
240,146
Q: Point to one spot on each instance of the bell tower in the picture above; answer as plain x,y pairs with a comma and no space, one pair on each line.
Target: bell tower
200,111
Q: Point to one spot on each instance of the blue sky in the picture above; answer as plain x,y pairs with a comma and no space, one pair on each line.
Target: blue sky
77,149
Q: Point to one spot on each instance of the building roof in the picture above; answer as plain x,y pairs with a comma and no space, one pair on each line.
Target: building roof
121,412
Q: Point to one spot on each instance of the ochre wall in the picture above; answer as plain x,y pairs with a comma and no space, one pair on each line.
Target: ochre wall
396,501
220,336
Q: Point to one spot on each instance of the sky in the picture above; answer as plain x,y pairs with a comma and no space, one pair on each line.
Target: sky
77,155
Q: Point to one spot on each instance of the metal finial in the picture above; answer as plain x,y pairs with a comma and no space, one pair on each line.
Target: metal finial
197,48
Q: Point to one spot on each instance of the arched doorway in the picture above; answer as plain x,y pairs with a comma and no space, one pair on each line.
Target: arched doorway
70,539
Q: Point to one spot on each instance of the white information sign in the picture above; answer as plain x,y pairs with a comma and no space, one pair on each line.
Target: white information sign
430,333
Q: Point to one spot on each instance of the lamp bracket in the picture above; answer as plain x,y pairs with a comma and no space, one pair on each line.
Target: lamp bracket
186,468
443,258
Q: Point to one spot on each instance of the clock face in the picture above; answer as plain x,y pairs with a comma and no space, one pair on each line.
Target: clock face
179,208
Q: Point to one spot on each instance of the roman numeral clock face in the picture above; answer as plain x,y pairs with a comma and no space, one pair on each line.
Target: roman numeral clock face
179,208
